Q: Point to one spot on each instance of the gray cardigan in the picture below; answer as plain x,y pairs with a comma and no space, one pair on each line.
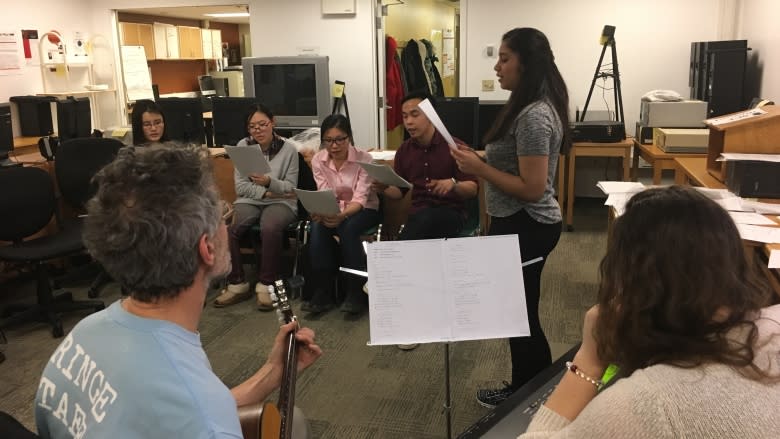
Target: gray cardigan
284,178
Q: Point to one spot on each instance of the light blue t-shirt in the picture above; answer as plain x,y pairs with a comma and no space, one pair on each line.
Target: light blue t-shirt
120,375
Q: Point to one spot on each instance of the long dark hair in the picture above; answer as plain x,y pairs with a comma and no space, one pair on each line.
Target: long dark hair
337,121
675,283
140,107
540,80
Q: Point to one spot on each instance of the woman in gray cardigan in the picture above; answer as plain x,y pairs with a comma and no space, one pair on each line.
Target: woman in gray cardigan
265,199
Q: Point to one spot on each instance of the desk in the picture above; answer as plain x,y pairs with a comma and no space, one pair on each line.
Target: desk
658,159
588,149
693,171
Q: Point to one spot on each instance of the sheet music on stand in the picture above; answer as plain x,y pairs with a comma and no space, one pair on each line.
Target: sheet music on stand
446,290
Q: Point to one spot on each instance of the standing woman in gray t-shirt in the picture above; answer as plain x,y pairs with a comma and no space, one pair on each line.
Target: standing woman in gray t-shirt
523,147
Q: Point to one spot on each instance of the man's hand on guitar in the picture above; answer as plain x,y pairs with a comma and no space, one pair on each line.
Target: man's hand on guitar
308,351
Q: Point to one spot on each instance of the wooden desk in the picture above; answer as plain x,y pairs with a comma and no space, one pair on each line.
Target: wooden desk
658,159
589,149
693,171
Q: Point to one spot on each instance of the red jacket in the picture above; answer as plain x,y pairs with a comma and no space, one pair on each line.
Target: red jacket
394,92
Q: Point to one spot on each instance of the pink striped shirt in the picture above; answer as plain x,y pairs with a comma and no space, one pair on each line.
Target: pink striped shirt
350,183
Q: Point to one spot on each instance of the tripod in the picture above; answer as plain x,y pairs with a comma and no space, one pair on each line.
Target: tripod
608,40
340,98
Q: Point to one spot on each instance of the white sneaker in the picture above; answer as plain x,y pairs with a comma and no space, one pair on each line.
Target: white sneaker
408,347
365,287
233,294
264,302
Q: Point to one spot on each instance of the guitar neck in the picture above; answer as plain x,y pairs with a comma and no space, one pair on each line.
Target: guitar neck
287,388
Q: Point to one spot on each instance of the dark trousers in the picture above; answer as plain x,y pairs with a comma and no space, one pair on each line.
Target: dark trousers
530,355
433,223
326,254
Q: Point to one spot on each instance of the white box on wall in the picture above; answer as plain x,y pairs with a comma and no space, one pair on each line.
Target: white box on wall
335,7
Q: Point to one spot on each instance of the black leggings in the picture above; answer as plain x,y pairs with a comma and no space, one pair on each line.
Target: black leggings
530,355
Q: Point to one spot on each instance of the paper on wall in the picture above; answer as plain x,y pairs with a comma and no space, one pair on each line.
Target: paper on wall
427,108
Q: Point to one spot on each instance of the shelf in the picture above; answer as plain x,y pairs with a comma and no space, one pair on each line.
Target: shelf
69,64
71,93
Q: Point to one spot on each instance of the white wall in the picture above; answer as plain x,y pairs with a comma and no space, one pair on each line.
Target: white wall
42,15
282,27
759,25
652,38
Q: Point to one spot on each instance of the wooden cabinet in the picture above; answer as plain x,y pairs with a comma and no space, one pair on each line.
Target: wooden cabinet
166,41
212,43
190,42
138,34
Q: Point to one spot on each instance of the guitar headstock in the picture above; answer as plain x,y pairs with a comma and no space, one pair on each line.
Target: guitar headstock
282,302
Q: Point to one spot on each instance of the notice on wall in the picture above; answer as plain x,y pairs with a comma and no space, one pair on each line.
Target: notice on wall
30,44
10,55
135,71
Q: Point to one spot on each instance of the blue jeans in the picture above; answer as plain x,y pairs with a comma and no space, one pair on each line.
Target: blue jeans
433,223
326,254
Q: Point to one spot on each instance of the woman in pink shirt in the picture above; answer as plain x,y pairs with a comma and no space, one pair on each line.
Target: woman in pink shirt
336,168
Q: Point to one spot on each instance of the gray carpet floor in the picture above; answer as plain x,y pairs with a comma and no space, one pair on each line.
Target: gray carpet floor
353,391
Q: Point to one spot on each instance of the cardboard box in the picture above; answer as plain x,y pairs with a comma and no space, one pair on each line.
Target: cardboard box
690,140
682,114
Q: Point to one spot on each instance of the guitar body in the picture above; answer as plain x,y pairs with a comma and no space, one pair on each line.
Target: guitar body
256,422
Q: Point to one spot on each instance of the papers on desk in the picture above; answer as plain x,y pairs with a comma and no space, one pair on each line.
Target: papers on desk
767,235
385,175
774,259
751,218
619,192
427,108
733,156
382,155
759,207
446,290
319,202
747,114
726,199
248,160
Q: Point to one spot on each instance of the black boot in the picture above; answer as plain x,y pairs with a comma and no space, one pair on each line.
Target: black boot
322,298
356,301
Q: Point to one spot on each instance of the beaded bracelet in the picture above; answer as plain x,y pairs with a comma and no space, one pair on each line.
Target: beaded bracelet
576,370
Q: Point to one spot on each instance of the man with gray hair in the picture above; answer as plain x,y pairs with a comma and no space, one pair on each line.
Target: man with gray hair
137,369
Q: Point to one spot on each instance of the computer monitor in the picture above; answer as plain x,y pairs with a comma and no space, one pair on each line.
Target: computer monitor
206,84
6,135
229,118
488,113
461,117
74,118
295,88
221,86
183,119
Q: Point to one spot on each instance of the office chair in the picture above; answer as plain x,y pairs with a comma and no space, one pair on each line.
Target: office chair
13,429
76,162
33,204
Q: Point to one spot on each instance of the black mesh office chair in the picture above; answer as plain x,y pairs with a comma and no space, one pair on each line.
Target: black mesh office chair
76,162
29,200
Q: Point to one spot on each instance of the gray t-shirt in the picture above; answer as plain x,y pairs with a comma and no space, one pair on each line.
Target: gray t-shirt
537,130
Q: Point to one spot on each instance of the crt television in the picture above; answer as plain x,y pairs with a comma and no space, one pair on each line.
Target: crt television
295,88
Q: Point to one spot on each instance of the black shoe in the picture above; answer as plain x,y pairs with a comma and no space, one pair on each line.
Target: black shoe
316,308
490,398
353,307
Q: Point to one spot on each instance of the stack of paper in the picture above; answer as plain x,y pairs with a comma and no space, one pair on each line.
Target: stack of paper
619,192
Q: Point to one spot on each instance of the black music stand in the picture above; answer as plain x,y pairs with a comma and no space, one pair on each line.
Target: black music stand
607,40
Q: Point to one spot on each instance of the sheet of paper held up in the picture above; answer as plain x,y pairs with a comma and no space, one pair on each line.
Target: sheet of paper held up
384,174
319,202
248,160
427,108
446,290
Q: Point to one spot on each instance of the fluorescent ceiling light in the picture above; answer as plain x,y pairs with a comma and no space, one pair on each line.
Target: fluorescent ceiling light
228,14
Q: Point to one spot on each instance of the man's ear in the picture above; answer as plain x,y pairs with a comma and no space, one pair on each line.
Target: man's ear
207,250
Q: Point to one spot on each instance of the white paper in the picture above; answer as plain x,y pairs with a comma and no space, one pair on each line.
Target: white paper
319,202
248,160
733,156
135,71
761,207
747,114
613,187
10,55
385,175
446,290
774,259
733,204
751,218
427,108
768,235
382,155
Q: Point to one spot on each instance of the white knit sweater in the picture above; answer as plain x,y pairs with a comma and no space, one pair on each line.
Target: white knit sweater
711,401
